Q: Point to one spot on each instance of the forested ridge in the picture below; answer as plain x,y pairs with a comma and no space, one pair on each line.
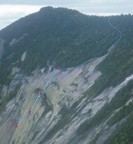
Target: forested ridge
62,37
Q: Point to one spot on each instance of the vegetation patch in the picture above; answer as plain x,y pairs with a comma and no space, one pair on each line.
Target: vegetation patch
123,134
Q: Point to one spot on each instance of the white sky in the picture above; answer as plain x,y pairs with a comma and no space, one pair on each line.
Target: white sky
11,10
10,13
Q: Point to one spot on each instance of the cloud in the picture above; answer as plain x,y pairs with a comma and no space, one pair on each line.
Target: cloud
10,13
69,2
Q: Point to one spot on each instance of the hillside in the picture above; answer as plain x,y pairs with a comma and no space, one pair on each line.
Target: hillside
56,36
66,78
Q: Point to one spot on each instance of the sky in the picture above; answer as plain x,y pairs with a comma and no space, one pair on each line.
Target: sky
12,10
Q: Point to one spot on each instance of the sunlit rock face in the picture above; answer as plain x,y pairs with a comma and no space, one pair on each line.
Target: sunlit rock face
55,115
63,90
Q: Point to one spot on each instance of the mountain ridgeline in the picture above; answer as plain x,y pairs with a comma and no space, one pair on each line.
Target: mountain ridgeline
59,36
66,78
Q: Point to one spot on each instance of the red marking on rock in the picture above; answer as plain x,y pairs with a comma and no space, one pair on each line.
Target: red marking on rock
58,68
39,90
16,126
29,111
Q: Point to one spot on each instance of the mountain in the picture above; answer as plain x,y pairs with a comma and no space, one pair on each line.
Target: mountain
58,36
66,78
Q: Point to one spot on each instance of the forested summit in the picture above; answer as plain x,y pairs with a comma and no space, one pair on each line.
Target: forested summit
56,35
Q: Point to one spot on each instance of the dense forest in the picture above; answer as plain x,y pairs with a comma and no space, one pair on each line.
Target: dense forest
117,65
59,36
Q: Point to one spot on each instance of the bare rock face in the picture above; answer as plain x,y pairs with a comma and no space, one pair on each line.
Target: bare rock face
50,107
36,114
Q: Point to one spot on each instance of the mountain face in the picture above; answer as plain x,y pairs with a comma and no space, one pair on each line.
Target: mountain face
66,78
55,36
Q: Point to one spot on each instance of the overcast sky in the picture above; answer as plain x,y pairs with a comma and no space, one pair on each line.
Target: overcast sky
11,10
